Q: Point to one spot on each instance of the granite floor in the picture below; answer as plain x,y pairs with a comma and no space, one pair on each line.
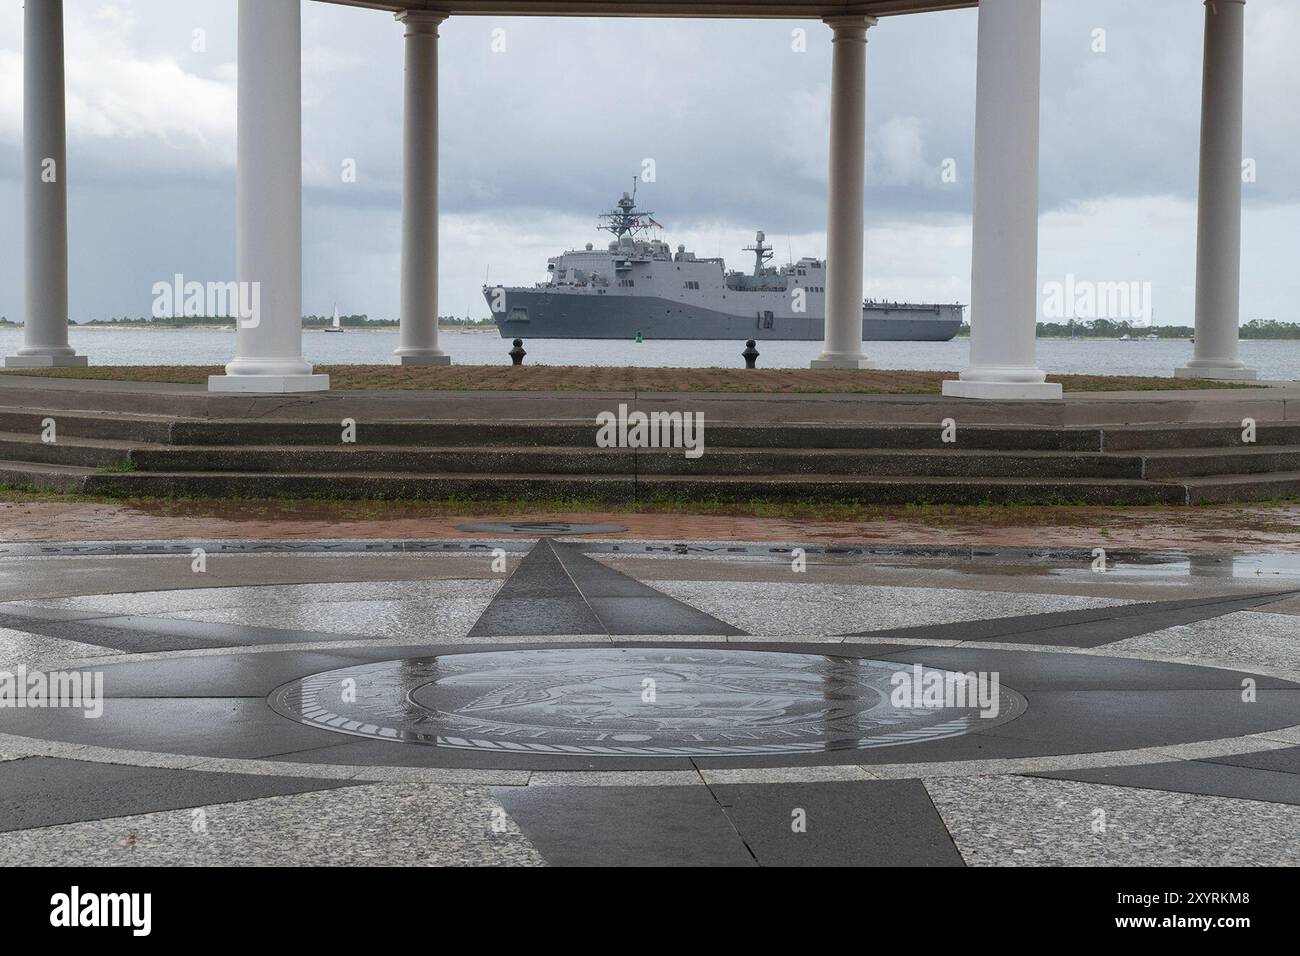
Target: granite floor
581,700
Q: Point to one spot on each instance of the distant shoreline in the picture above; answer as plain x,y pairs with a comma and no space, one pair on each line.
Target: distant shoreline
1281,334
151,327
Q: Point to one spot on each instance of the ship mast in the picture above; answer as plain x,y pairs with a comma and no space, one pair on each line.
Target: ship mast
762,253
626,219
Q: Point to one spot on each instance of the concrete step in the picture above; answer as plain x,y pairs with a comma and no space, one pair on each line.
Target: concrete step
1222,435
912,490
955,461
43,477
776,461
85,424
788,435
166,429
1221,489
621,489
583,435
1204,462
84,452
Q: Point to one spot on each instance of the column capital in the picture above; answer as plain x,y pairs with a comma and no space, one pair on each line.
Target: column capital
846,25
420,21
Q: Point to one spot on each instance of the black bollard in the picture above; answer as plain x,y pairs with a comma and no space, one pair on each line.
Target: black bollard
517,353
750,355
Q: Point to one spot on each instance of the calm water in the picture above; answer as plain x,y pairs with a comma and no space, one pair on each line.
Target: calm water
1274,360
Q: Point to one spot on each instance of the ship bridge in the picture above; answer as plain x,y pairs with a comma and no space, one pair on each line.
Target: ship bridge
1004,294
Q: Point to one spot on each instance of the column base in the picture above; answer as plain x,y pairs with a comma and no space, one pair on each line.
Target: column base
826,360
268,384
1005,391
1218,372
416,359
46,361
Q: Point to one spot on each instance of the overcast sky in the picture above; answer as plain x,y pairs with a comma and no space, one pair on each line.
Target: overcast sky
540,137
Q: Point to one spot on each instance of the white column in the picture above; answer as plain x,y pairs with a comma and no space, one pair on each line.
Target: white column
418,343
1218,222
45,335
844,222
268,205
1004,254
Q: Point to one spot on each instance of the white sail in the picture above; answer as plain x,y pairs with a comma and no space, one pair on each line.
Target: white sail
336,325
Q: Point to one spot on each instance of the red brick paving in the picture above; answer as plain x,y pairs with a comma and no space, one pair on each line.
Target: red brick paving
1196,529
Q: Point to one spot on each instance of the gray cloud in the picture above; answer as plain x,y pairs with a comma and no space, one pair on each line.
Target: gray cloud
538,139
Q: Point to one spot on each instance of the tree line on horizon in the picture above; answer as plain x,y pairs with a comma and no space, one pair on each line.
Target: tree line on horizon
1270,329
308,321
1112,329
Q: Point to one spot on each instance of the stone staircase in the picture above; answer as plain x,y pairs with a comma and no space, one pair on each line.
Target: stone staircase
128,454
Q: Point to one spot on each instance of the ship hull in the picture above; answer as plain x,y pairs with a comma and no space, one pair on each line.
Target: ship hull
540,314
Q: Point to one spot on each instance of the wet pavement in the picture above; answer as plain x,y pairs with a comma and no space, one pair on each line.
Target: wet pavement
607,699
1202,529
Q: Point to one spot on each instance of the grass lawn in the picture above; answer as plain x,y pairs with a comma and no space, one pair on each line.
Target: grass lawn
604,379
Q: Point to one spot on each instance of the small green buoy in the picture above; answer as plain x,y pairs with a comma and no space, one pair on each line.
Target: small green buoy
639,340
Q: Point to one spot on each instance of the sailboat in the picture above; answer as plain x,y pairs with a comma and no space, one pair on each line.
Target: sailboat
336,326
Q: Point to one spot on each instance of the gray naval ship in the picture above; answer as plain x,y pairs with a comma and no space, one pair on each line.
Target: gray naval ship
640,287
